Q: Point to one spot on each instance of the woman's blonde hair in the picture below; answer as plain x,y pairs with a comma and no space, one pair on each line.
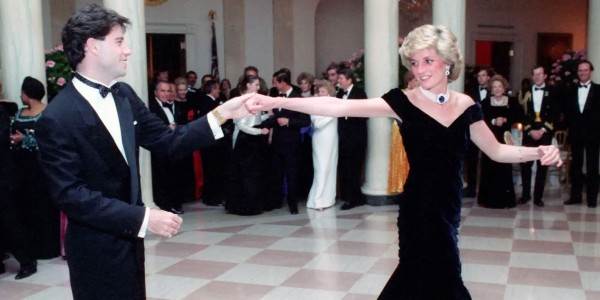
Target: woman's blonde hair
500,79
437,37
326,85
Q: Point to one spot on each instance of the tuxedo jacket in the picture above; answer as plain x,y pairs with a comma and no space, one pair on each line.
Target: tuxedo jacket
99,191
474,93
206,104
352,131
583,126
288,136
548,113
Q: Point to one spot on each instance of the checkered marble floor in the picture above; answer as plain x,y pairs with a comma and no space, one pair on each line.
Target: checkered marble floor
522,253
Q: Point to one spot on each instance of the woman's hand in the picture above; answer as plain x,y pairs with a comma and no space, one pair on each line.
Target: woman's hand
549,156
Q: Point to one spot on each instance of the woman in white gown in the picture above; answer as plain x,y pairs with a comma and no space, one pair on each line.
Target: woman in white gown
325,155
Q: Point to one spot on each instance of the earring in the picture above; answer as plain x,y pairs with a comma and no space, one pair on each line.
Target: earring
447,71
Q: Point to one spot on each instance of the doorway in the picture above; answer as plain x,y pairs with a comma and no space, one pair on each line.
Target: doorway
165,52
496,55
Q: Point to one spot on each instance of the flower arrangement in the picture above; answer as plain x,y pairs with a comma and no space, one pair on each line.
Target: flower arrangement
563,72
58,71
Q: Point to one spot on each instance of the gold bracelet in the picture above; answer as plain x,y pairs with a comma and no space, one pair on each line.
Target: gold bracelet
218,116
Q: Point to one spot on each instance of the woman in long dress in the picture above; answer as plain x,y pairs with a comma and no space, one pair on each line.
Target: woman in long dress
436,124
496,187
324,154
244,193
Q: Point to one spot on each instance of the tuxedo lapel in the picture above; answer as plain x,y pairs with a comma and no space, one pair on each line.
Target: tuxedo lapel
128,139
99,136
590,98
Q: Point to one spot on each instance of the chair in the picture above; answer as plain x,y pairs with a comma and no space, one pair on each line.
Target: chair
565,154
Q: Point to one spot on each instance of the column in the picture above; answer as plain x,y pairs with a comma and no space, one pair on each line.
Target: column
22,45
452,13
381,75
135,37
593,36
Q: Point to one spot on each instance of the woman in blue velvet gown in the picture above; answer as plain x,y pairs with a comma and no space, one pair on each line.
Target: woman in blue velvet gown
436,124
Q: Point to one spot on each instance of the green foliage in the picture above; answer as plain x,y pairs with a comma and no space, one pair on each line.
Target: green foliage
58,71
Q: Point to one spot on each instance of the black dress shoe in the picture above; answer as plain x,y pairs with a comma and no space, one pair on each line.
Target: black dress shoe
293,210
592,205
524,199
539,203
572,202
2,269
347,206
27,270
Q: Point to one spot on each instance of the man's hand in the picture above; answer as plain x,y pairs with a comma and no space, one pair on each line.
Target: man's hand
549,155
163,222
536,134
16,138
283,121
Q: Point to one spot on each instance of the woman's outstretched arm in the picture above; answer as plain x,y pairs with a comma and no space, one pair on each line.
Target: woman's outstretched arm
323,106
485,140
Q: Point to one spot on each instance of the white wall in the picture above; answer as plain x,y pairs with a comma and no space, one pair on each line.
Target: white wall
339,26
259,36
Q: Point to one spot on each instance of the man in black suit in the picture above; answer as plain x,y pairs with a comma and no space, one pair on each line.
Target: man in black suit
214,157
352,143
583,119
285,143
89,139
542,113
164,185
480,92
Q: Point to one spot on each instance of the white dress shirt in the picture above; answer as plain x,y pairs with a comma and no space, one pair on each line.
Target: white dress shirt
582,94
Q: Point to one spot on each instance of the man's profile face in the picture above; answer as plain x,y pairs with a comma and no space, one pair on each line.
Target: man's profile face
113,53
344,82
162,92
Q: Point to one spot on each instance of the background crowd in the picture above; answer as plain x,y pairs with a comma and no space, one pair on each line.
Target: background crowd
282,157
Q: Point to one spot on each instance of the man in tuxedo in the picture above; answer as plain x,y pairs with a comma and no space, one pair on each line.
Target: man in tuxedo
542,113
285,143
352,143
583,115
164,186
89,139
191,78
472,155
215,157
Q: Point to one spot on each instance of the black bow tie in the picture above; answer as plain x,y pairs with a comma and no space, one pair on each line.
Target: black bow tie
345,93
538,88
168,105
583,86
104,90
481,88
284,95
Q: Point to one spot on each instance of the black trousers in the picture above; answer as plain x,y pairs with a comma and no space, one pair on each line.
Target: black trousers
540,175
591,150
18,239
350,163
